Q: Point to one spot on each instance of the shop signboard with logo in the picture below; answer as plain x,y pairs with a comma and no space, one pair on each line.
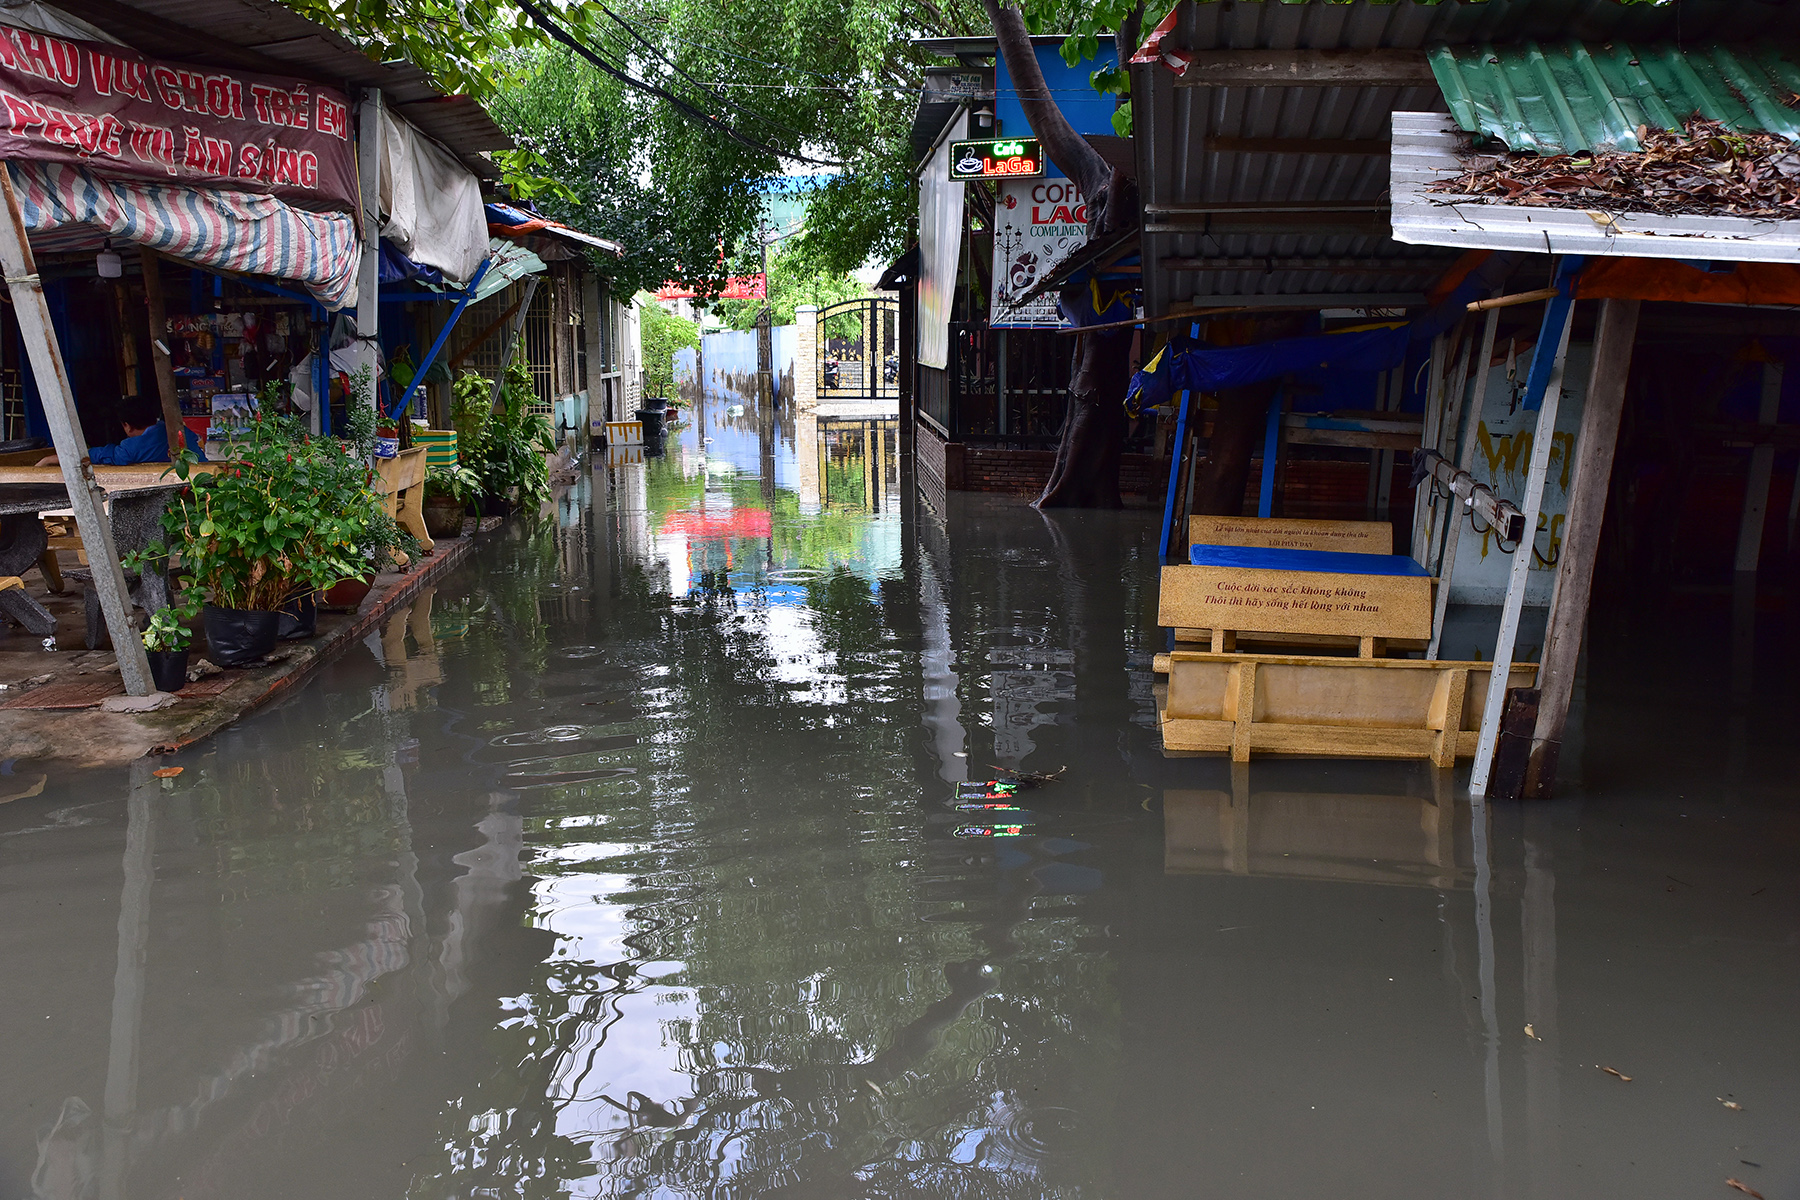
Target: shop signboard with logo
1037,224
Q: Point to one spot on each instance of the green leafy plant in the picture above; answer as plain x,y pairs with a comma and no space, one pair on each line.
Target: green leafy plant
288,515
360,417
471,411
517,441
168,629
460,483
663,334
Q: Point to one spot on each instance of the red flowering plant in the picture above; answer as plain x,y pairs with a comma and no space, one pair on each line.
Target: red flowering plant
286,515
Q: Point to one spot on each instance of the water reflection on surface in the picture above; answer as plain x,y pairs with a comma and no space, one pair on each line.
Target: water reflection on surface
668,849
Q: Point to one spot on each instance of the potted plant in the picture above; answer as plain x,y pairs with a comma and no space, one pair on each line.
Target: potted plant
289,516
514,469
448,491
167,641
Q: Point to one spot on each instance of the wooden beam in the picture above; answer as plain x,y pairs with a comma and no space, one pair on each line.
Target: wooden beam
1307,68
1762,463
1204,208
1300,224
487,331
85,496
159,350
1614,334
1547,393
1343,266
1364,147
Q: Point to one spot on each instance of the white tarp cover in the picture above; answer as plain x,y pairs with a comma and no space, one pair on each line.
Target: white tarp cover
432,202
940,245
42,18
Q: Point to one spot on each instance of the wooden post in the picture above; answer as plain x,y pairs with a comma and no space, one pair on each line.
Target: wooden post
512,338
1614,335
1548,392
159,349
85,496
1762,464
370,138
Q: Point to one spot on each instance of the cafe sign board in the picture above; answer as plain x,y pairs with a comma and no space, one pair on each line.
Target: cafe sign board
996,158
1038,223
104,106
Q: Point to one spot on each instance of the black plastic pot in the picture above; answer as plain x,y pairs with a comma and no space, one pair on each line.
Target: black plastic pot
299,617
443,516
656,403
653,422
496,506
168,669
238,636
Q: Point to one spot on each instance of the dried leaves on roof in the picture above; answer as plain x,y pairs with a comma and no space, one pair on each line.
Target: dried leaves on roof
1703,170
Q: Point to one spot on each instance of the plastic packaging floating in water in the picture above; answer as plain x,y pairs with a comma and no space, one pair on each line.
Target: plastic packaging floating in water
985,831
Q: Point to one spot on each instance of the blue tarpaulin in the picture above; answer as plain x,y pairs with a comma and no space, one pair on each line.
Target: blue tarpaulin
1261,558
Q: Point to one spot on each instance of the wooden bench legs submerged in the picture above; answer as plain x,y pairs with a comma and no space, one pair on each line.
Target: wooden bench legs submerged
1246,705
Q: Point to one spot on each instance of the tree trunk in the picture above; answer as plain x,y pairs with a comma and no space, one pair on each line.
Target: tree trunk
1237,429
1086,474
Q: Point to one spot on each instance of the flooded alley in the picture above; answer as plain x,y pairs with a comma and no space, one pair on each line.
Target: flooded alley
654,851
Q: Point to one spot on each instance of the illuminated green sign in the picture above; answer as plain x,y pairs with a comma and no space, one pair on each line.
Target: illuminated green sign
997,158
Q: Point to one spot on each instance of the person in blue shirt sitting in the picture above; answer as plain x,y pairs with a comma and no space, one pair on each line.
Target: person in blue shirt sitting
145,441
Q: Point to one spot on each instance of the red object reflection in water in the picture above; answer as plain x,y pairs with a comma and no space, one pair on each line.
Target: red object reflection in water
732,523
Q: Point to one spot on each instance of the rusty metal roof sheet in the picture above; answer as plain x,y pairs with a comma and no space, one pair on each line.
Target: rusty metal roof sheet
1564,97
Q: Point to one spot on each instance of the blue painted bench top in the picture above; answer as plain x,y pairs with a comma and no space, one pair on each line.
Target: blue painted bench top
1264,559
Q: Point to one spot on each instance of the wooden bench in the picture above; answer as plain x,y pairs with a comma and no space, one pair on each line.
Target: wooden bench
1275,533
1353,837
1353,606
1326,706
400,481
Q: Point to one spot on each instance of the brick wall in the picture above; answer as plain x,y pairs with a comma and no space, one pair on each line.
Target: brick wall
1025,472
929,465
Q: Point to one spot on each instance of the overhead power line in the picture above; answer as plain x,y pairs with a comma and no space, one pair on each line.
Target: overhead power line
705,90
558,33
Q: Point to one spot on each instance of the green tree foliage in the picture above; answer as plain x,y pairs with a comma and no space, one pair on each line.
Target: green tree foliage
832,81
663,333
795,278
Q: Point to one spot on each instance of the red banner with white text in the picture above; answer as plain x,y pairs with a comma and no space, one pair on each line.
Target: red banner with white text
116,112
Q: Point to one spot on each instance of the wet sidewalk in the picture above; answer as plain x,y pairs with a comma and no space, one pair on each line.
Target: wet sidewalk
53,703
659,853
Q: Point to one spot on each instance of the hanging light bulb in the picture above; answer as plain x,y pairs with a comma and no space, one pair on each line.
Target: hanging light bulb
108,263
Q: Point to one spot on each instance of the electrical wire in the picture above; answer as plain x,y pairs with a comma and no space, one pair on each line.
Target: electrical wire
704,89
559,34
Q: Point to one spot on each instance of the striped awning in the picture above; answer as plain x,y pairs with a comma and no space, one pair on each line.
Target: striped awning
67,207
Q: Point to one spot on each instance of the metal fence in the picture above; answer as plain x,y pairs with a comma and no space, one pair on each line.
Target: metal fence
859,350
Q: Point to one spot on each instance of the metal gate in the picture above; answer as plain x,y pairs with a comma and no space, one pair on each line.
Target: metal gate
859,350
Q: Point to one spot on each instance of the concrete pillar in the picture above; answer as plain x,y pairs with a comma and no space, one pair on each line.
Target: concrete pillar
370,132
806,356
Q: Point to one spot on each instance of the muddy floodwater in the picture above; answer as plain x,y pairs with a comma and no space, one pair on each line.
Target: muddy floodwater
637,859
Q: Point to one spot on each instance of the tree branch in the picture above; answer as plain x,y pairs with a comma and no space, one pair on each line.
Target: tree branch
1066,148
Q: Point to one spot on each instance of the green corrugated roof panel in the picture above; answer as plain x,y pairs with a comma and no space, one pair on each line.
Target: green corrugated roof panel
1569,97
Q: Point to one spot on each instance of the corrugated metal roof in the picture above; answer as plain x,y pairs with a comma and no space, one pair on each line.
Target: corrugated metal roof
1560,98
1271,148
1425,147
260,35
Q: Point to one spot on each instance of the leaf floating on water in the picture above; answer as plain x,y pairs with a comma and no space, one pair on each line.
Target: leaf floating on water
166,772
1731,1104
1532,1034
1620,1074
1743,1187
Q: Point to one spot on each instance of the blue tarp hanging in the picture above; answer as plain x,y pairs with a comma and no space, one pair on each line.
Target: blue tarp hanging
1189,365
